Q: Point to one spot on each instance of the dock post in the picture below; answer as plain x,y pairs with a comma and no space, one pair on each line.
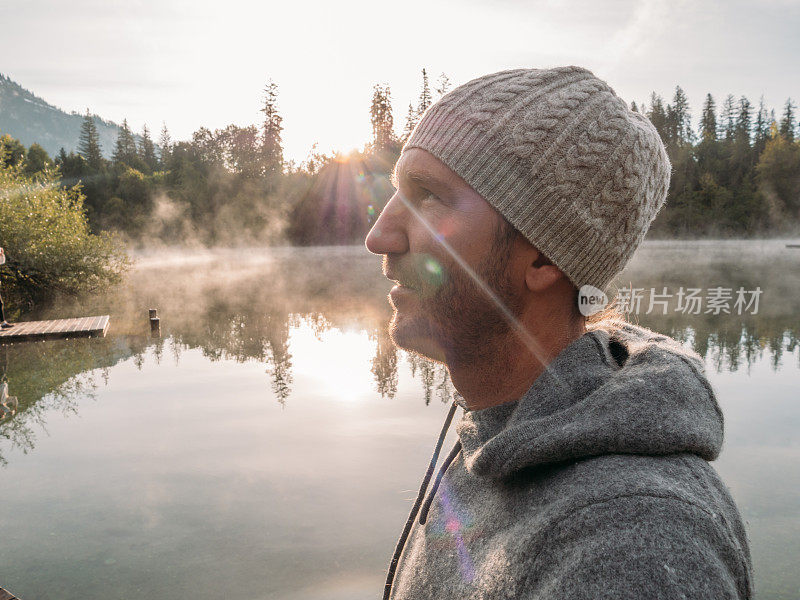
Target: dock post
155,323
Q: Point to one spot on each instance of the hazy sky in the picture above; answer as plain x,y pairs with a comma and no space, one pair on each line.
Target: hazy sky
192,63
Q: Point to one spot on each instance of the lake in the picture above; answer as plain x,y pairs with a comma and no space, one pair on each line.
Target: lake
270,443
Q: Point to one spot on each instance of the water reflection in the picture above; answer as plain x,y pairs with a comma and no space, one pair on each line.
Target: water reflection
258,306
275,426
54,376
8,403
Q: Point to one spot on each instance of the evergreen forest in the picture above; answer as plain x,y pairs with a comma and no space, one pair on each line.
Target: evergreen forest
736,173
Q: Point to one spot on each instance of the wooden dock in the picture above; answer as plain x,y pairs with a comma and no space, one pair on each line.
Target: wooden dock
6,595
27,331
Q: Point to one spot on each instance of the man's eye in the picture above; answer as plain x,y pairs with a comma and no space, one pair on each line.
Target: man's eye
429,196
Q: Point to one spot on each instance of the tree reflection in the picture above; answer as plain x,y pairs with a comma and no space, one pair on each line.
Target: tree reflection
384,365
244,306
729,344
48,376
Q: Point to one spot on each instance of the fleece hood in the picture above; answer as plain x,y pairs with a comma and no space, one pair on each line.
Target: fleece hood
620,390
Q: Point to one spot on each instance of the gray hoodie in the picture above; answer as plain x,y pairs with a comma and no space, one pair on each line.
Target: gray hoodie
595,484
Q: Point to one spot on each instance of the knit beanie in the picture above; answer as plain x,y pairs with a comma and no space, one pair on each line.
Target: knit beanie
561,157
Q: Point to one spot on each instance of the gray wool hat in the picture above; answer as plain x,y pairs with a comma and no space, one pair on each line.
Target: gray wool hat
561,157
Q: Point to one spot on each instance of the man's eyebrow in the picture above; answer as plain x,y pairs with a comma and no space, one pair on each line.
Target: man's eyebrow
419,177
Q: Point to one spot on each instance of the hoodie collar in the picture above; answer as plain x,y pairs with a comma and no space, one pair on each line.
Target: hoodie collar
624,389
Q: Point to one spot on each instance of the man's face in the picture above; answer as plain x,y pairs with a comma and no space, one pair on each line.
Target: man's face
445,246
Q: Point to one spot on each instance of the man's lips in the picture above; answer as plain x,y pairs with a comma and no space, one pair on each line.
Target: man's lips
402,289
400,282
399,292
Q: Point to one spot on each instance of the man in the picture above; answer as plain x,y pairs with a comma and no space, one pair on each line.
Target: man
581,469
3,323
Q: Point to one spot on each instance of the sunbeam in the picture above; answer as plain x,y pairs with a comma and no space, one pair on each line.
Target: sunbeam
530,342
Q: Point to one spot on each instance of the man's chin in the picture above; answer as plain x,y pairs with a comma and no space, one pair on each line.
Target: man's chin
415,335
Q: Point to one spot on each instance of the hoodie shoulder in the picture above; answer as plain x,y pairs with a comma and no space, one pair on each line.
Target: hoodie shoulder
565,487
615,390
642,545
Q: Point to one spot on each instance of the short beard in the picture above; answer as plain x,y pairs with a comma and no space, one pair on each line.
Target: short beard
459,323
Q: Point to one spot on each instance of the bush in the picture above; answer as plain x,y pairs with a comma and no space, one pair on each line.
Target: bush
48,244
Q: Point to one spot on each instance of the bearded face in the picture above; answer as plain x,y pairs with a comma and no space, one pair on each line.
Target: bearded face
442,312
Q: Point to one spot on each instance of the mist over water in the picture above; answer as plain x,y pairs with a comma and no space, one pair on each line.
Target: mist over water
269,443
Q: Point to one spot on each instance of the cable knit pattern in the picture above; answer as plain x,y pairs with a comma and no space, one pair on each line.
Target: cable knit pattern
561,156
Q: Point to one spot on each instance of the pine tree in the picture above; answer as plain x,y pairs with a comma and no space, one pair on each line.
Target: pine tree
443,84
658,116
125,151
744,121
412,118
728,117
147,150
425,98
89,143
787,125
165,145
271,142
381,117
742,158
761,127
708,120
670,136
682,118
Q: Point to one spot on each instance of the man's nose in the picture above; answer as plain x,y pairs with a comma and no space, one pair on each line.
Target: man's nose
388,234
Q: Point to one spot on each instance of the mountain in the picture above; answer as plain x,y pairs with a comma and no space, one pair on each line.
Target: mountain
30,119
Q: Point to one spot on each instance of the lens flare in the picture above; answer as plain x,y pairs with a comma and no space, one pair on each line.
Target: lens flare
433,272
455,530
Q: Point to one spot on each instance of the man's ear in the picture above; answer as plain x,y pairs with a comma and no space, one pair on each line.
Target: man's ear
541,273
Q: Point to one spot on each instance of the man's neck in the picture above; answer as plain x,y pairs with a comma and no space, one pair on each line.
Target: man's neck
509,370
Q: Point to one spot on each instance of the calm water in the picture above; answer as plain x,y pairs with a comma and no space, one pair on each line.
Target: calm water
270,443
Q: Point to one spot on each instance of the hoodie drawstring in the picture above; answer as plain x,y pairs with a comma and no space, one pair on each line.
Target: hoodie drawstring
423,514
387,589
